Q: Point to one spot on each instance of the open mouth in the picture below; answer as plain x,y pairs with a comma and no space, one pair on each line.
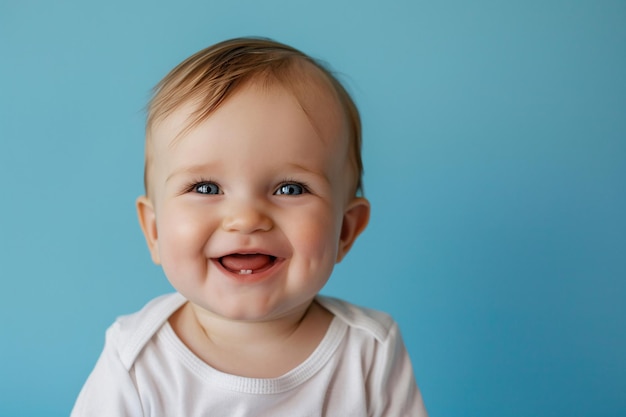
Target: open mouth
246,264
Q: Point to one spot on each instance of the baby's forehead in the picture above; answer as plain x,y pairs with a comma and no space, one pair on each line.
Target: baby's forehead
312,93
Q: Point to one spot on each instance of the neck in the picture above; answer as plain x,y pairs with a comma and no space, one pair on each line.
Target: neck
258,349
223,332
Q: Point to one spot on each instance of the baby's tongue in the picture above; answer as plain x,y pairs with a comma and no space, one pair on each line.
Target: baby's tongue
245,262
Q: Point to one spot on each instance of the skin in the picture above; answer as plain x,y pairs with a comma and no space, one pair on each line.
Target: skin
258,176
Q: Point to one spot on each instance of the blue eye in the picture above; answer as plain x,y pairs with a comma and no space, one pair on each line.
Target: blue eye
206,188
290,189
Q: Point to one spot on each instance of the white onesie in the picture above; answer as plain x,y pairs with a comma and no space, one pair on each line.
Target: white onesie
360,368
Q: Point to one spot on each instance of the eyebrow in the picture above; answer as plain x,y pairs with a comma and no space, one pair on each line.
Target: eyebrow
199,169
317,173
196,169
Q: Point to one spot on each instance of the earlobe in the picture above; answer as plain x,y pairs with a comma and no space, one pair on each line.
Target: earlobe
355,220
147,221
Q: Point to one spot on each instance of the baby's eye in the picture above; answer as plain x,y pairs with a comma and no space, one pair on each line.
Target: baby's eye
206,188
290,189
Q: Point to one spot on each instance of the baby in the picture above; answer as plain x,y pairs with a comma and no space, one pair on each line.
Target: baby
253,194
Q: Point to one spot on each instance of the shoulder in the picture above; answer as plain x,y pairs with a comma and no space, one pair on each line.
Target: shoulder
130,333
373,322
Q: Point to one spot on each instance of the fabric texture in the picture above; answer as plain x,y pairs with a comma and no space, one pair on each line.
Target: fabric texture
360,368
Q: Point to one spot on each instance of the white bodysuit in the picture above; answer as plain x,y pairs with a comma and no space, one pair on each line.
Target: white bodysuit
360,368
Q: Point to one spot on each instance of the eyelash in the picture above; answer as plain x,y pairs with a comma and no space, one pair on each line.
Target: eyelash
193,185
304,186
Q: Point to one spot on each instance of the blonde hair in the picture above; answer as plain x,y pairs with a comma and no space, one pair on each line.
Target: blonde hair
210,76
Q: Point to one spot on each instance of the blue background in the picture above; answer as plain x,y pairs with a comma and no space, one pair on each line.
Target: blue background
495,154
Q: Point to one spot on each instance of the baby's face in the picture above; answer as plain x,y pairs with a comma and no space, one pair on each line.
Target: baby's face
250,210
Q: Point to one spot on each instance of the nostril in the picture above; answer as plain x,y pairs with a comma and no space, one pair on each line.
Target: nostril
247,221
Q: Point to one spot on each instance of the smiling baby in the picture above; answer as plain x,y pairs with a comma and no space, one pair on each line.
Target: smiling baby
253,194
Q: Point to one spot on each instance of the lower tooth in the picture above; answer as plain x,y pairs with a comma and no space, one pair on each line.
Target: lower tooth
245,272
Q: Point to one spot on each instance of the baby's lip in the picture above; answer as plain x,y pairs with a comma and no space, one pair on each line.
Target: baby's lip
247,263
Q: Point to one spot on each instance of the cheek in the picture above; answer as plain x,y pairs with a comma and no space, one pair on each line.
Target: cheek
317,237
181,237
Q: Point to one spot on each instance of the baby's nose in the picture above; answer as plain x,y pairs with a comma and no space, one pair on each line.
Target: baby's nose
246,219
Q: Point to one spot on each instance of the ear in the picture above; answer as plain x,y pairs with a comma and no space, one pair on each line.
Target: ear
355,218
147,221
